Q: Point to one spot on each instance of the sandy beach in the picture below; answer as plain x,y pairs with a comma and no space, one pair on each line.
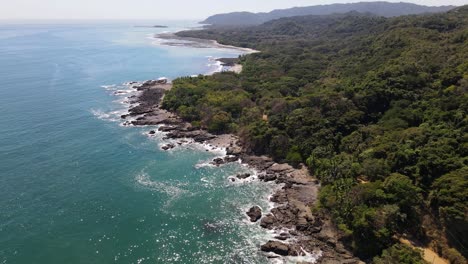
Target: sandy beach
171,39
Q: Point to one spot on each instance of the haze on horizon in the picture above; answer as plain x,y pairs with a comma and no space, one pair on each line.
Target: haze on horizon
158,9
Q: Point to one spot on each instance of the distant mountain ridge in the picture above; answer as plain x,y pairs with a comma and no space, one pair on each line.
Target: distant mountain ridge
385,9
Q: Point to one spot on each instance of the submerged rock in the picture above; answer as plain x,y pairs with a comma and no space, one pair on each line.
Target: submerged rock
254,213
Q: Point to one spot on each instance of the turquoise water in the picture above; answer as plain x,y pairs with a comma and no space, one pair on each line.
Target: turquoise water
78,187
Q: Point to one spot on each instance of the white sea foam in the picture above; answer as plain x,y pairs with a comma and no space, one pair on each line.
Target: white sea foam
102,115
309,257
214,65
123,103
204,164
108,87
169,189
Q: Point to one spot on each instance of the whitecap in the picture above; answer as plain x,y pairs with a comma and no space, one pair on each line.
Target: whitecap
101,114
205,164
308,258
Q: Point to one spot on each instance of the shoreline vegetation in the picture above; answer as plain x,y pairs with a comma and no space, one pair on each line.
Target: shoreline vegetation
374,108
299,232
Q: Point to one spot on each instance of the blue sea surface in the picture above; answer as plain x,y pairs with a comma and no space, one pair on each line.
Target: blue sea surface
78,187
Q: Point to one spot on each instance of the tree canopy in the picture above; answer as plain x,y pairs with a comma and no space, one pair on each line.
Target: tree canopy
376,107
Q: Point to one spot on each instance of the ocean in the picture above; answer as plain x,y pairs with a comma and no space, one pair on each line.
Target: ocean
76,186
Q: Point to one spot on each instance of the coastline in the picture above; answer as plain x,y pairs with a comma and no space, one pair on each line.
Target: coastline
171,39
298,232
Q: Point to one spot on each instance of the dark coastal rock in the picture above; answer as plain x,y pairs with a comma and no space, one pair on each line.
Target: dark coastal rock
243,176
123,116
146,85
268,221
168,146
293,233
231,158
283,178
218,161
285,215
140,110
283,236
167,128
234,150
309,225
279,197
228,61
203,136
302,224
175,134
152,132
281,168
148,101
254,213
269,177
276,247
199,136
260,163
142,122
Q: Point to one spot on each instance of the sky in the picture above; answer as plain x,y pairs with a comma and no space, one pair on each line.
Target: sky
157,9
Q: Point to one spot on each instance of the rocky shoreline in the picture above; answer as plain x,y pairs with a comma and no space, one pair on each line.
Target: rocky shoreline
299,231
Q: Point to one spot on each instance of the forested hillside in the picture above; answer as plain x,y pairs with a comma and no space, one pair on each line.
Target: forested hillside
380,8
375,107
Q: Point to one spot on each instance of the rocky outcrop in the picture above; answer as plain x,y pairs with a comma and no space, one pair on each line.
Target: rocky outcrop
254,213
234,150
218,161
268,177
243,176
282,249
306,231
168,146
231,158
276,247
268,221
